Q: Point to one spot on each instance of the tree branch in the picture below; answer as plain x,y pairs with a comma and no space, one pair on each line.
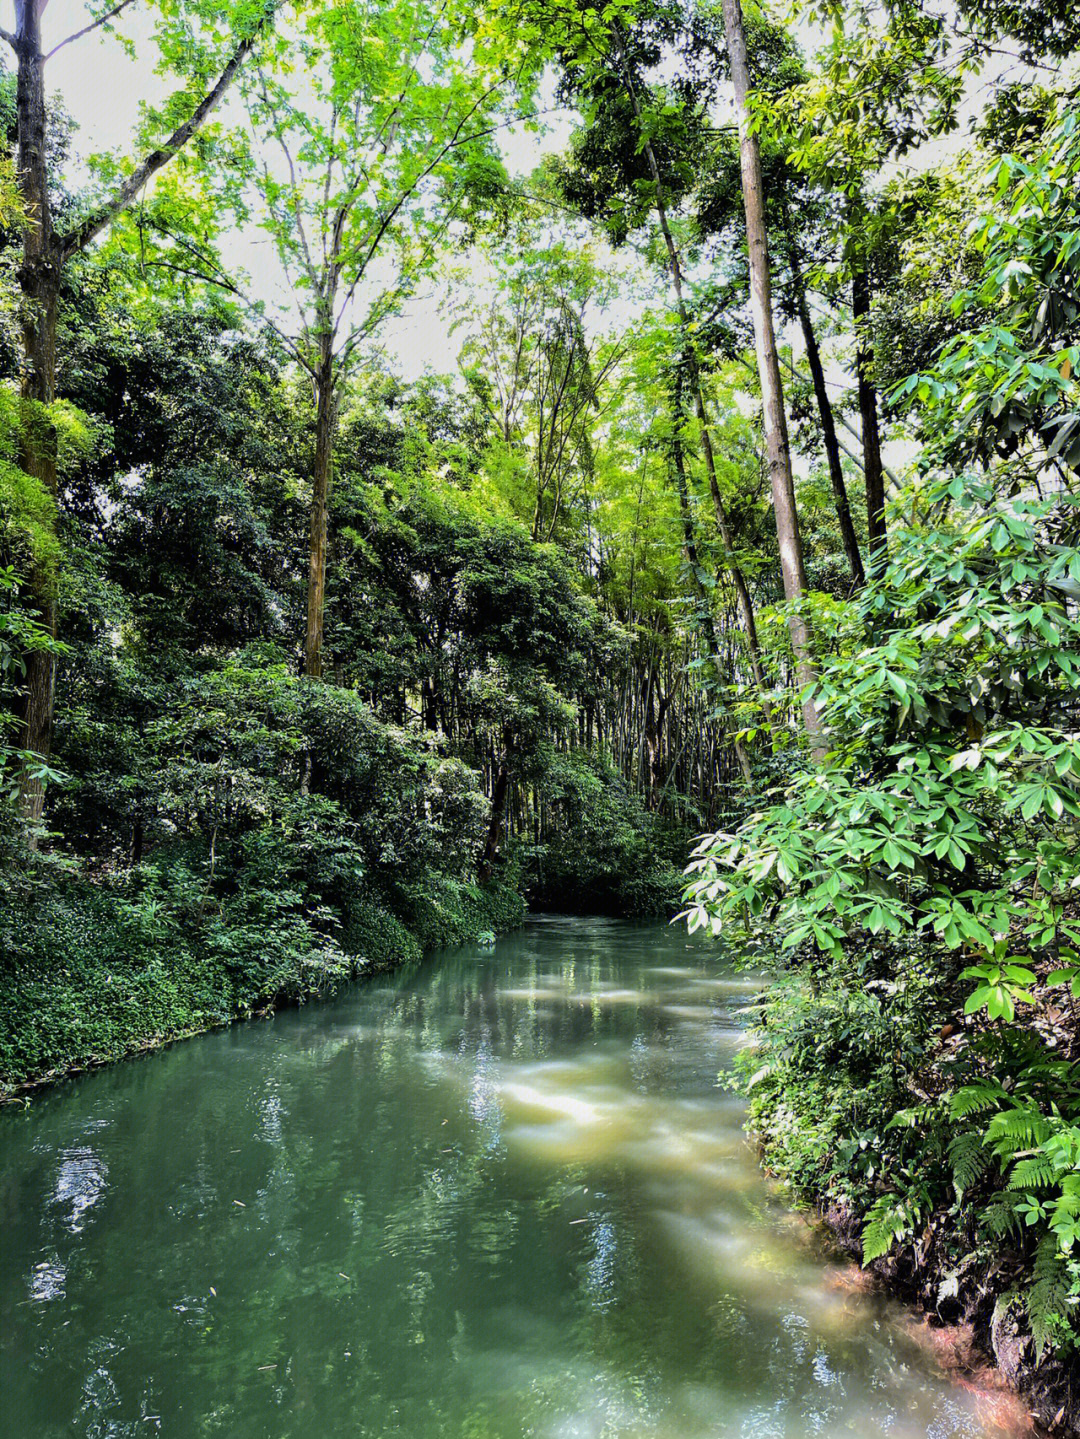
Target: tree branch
94,24
88,229
206,268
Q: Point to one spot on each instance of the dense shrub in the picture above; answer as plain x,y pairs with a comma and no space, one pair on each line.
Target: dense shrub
284,839
921,876
92,971
442,911
375,937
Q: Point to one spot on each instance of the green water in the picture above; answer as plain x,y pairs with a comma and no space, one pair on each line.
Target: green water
500,1197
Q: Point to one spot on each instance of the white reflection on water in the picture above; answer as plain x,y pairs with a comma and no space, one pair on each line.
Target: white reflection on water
484,1093
610,1107
47,1280
601,1271
80,1183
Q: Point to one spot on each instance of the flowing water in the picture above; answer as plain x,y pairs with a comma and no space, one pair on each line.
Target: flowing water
500,1197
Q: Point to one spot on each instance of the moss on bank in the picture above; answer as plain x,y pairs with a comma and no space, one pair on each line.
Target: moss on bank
96,972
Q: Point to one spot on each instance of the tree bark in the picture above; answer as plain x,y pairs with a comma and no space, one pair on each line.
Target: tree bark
873,470
39,282
744,603
825,410
772,393
320,493
499,796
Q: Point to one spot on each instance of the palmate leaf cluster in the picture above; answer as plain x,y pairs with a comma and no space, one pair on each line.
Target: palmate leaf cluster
939,837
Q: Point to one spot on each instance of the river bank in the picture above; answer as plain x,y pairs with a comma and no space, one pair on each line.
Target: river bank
854,1110
968,1327
107,986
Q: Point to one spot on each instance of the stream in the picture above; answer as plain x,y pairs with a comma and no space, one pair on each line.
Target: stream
500,1196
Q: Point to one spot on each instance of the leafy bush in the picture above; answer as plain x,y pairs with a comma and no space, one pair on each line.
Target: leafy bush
943,821
443,912
286,840
376,937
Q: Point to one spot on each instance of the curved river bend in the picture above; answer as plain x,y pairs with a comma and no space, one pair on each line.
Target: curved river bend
500,1197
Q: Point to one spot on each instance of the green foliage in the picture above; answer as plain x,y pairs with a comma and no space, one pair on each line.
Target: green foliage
995,388
606,853
446,912
92,972
375,936
20,633
934,851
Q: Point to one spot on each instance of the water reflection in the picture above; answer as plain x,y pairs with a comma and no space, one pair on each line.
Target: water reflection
502,1197
80,1183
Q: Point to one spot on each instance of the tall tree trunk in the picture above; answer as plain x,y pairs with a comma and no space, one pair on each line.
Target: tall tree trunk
693,559
873,470
772,393
499,795
656,708
825,409
320,493
743,601
39,281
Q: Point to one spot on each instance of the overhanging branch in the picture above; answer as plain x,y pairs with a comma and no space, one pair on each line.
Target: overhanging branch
83,233
94,24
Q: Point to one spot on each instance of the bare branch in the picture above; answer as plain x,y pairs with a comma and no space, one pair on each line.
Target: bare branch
455,141
204,267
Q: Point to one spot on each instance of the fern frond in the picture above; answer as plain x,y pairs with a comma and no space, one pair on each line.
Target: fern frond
1038,1172
889,1219
1047,1298
976,1099
1000,1216
1012,1130
969,1158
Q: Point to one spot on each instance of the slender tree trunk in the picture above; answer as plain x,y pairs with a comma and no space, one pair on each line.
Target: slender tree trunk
320,493
39,281
743,601
499,795
693,559
825,409
772,392
873,470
